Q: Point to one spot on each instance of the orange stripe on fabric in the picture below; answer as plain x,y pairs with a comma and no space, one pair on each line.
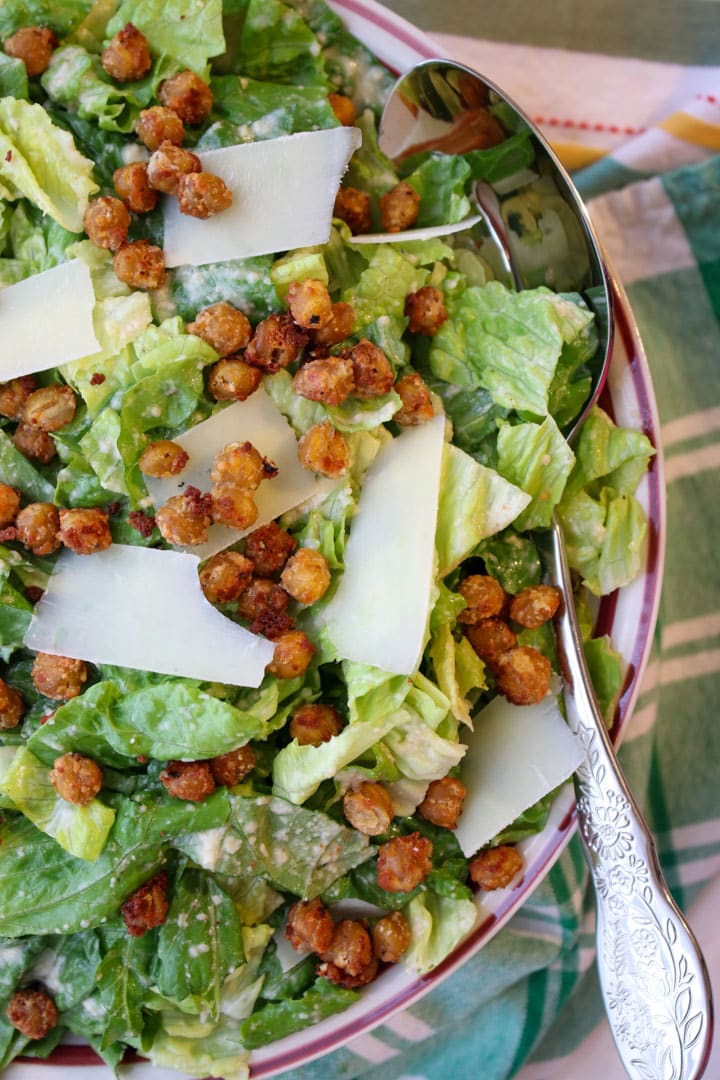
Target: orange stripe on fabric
577,156
688,128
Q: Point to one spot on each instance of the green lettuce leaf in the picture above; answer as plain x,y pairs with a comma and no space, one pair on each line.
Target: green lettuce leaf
604,538
188,33
513,559
537,459
441,182
276,45
281,1018
62,16
13,77
458,670
36,240
608,456
383,286
437,925
251,110
122,978
243,282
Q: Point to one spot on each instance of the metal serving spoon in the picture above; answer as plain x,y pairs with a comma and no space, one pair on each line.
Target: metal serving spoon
653,977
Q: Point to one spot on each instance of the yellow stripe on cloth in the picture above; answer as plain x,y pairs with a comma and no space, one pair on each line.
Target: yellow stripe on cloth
688,128
576,156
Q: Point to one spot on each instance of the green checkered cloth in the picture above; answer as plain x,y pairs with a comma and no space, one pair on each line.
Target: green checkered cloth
532,993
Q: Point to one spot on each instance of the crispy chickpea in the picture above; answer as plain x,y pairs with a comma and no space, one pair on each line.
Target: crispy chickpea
12,706
523,675
231,768
309,926
306,576
14,394
127,58
335,974
243,465
443,802
162,459
132,185
391,937
350,948
34,443
167,164
426,311
322,449
231,379
495,867
490,638
202,194
37,527
399,208
9,504
309,303
262,595
189,780
185,519
224,576
368,808
312,725
32,1012
147,907
272,624
107,221
233,506
50,407
353,207
417,406
34,45
269,547
188,96
372,372
404,862
276,343
157,125
338,327
85,531
343,108
329,380
292,656
76,778
58,677
223,327
535,605
140,265
485,598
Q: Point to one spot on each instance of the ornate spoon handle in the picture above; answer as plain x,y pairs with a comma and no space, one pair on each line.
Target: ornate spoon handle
653,976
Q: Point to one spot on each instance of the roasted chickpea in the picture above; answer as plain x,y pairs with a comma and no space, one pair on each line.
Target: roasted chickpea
157,125
231,768
188,96
309,303
417,406
306,576
224,576
147,907
189,780
269,547
132,185
372,372
37,527
485,598
14,394
34,443
231,379
426,311
309,926
162,459
338,327
9,504
404,862
76,778
32,1012
343,108
223,327
261,596
443,802
58,677
353,207
490,638
391,937
322,449
535,605
185,519
292,656
337,975
85,531
167,164
202,194
106,222
243,465
399,208
34,45
233,506
522,675
328,380
127,58
140,265
12,706
350,948
368,808
50,407
495,867
276,343
312,725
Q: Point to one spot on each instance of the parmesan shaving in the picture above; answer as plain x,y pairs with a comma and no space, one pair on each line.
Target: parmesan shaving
426,233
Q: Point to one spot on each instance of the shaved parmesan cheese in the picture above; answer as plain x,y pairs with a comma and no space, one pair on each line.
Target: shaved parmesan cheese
143,608
427,233
517,754
283,196
47,320
379,613
259,421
